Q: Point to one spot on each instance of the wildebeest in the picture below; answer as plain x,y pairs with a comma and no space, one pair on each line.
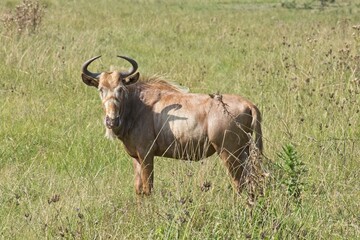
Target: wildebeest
153,117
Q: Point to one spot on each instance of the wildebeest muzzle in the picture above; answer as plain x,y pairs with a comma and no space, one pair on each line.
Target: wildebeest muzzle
112,122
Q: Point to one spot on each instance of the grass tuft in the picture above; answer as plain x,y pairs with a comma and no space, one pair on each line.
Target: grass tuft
26,18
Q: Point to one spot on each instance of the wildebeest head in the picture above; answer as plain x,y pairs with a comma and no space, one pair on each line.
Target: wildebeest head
112,87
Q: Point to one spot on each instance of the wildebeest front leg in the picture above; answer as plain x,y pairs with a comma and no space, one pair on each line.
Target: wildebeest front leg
137,172
147,173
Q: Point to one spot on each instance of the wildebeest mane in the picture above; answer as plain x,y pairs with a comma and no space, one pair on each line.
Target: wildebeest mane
159,83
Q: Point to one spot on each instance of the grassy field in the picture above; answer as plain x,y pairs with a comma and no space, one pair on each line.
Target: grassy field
300,64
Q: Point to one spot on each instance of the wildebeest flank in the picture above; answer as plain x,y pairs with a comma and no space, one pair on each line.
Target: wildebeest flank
155,118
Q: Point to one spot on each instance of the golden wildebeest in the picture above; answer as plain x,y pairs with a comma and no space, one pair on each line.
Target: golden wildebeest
153,117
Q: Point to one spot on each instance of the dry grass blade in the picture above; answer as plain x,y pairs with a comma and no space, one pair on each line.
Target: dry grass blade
256,174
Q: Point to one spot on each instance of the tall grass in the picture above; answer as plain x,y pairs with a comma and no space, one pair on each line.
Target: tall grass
59,177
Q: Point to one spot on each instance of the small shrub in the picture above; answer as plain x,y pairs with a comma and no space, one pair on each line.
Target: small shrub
289,4
325,3
307,5
292,171
26,17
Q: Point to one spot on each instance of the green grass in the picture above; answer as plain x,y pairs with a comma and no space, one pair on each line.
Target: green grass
59,176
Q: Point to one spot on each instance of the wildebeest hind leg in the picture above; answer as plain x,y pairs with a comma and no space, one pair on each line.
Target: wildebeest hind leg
235,163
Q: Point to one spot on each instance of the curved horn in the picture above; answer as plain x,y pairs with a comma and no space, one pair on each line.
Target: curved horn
131,70
85,66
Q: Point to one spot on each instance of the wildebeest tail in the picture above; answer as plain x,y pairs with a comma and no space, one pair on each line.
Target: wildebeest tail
256,127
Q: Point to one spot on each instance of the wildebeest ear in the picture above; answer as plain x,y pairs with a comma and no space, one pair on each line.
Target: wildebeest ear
89,80
132,79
